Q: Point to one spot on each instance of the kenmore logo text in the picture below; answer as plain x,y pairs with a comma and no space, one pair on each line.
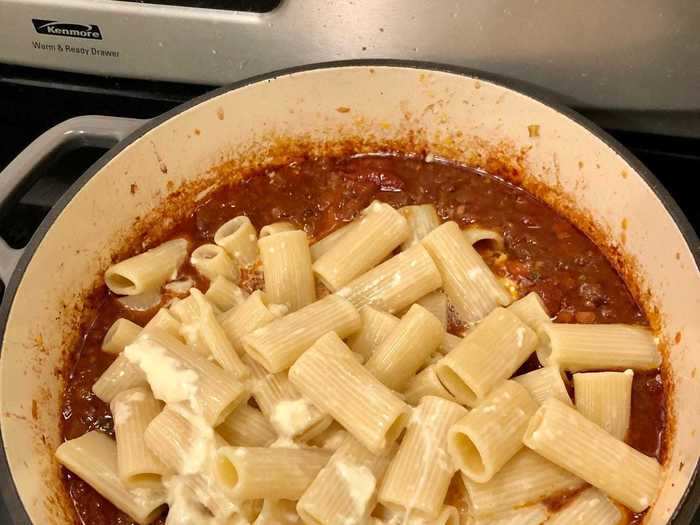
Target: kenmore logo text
51,27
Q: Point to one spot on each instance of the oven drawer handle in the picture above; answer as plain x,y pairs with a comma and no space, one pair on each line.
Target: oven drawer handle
88,131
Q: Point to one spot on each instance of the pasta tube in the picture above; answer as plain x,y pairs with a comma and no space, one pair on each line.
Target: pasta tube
527,478
472,288
418,477
579,347
375,328
240,240
606,399
332,379
286,261
344,490
224,294
278,344
407,347
121,333
93,457
566,438
271,473
147,271
490,353
422,219
379,230
544,383
483,441
212,261
132,411
395,284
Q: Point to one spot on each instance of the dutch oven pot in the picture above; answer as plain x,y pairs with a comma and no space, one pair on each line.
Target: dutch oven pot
353,106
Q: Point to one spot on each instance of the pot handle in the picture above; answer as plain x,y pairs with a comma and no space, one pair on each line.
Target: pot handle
87,131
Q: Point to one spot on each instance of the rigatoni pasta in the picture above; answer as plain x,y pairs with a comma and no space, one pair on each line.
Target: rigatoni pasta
449,342
189,311
216,340
407,347
164,320
121,375
565,437
121,333
180,440
185,310
531,310
544,383
490,353
177,374
246,427
248,316
477,234
330,377
253,509
132,412
322,246
331,438
196,499
278,512
187,445
532,515
208,500
605,398
224,294
286,262
278,344
93,457
376,233
591,507
526,479
345,489
417,478
143,301
212,261
436,303
579,347
240,240
448,516
289,414
472,288
425,383
395,284
147,271
422,219
272,473
483,441
176,288
376,326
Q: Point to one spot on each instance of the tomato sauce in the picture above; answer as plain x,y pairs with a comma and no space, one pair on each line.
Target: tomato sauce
544,253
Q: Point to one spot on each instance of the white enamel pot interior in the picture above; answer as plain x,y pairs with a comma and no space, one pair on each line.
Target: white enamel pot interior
321,109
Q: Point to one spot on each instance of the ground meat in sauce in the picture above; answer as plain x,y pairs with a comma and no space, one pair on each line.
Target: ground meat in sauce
545,254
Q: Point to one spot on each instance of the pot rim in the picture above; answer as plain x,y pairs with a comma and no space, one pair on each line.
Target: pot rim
690,501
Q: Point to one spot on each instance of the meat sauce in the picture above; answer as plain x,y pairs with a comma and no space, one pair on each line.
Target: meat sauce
544,253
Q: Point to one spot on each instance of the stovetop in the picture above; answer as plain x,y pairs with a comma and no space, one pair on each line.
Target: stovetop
31,102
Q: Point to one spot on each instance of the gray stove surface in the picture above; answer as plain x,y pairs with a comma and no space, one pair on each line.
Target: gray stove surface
640,55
